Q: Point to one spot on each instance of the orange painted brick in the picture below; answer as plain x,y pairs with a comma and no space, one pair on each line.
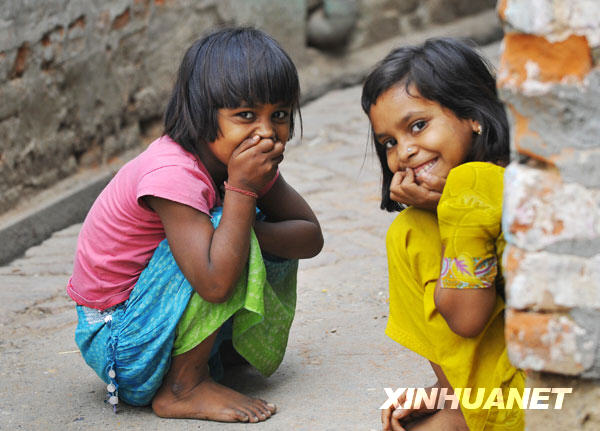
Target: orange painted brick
512,259
544,342
526,329
568,58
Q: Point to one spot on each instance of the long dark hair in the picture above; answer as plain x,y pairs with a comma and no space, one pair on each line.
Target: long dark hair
450,72
222,70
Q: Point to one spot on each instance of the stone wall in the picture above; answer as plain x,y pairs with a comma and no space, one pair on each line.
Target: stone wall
550,79
380,19
81,81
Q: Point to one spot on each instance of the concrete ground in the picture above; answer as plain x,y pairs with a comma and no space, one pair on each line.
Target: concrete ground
338,358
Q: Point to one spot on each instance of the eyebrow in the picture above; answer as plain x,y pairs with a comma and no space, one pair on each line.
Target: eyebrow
402,121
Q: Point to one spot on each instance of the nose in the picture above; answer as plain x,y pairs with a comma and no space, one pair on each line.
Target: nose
265,129
405,150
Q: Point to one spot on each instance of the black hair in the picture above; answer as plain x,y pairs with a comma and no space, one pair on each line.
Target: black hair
226,68
450,72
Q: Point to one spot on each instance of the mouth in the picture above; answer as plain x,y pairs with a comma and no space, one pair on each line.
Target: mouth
425,167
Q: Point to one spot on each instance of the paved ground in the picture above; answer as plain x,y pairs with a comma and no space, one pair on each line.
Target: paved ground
338,360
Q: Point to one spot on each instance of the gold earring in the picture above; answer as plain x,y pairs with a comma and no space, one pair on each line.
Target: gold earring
479,129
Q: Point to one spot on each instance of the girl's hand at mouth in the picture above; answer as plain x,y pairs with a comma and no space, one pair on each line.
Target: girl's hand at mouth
275,151
254,163
422,192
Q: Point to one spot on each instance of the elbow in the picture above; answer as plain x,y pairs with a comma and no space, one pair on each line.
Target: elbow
216,298
463,325
318,243
310,244
216,294
465,329
461,322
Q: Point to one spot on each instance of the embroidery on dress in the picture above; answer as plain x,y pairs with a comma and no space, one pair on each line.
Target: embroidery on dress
467,272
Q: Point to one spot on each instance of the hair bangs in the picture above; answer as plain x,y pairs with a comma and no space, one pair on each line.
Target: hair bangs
249,73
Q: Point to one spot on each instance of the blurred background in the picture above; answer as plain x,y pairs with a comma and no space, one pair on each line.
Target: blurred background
83,84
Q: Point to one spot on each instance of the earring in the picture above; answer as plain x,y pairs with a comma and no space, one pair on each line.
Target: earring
479,129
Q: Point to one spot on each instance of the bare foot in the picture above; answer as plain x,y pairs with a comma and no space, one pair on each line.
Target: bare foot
211,401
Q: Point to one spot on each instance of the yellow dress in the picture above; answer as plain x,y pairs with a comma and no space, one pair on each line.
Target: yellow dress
469,226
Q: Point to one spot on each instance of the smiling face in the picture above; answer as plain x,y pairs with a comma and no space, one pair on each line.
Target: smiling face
237,124
418,133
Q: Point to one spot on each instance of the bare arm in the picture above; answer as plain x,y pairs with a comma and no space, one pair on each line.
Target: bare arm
291,229
467,311
211,259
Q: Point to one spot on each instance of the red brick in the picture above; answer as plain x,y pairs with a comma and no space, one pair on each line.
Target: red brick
568,58
544,342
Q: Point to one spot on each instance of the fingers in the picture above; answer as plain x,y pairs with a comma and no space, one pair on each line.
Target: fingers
433,182
401,413
409,178
404,189
397,179
247,144
254,162
274,149
396,425
386,418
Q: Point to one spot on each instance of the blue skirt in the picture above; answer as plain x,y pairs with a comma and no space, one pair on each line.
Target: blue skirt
131,344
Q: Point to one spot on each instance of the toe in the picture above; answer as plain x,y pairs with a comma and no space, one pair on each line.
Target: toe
240,415
262,409
251,413
255,414
270,406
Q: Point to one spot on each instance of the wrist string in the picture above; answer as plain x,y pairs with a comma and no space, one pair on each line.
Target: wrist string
238,190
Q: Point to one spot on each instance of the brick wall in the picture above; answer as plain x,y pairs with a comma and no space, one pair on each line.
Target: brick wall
550,80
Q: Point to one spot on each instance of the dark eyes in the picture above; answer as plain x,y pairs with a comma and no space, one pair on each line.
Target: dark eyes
389,143
417,126
277,115
246,115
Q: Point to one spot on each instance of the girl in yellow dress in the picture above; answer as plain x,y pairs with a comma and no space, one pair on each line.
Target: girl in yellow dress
441,135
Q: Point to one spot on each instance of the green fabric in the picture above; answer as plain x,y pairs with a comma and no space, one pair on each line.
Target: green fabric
263,312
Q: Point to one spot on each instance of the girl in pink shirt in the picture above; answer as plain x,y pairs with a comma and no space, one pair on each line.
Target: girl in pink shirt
230,115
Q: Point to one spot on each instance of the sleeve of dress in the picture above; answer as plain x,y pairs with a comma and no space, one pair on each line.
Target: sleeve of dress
181,183
469,219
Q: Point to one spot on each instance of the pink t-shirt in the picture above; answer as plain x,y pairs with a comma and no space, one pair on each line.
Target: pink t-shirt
120,233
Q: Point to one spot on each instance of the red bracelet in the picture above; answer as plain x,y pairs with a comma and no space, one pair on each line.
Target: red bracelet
242,191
